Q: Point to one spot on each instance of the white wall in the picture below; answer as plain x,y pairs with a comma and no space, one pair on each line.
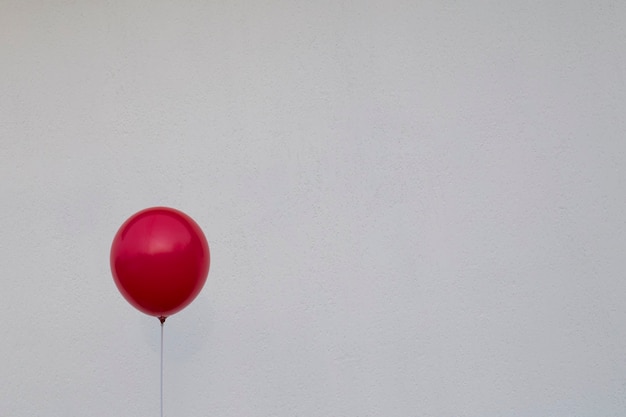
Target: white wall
415,208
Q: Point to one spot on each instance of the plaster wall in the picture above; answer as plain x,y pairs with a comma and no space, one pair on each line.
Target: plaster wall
415,208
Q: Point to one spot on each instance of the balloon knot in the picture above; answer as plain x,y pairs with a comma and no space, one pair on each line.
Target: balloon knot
162,319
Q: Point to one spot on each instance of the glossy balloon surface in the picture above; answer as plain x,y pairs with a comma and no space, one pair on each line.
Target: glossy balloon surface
160,261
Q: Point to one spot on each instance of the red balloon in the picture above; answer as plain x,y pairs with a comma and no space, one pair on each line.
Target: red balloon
160,261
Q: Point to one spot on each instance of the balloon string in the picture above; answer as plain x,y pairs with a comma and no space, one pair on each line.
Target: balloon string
162,323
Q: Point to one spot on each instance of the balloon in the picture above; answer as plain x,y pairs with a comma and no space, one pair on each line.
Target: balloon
160,261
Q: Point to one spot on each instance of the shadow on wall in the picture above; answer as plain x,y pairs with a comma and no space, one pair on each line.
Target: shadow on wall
185,333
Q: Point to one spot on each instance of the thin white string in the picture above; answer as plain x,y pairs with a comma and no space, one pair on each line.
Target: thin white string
162,323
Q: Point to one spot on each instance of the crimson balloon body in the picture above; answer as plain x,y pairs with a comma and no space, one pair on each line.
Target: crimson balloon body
160,261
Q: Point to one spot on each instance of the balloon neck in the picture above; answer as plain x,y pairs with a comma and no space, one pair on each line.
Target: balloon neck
162,319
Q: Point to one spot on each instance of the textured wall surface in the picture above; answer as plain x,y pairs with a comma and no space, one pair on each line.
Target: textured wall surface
415,208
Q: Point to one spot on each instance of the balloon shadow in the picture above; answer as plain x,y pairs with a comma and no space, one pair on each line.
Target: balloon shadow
184,334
